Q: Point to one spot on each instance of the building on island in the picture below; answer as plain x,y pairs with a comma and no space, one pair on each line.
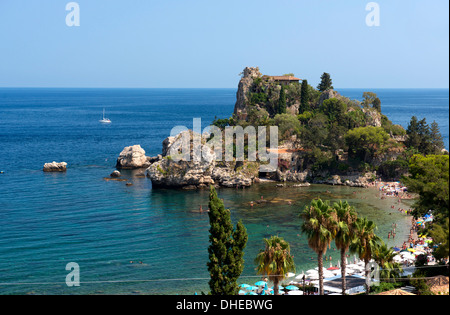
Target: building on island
283,79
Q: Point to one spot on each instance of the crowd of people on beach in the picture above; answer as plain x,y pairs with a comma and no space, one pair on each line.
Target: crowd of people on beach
393,189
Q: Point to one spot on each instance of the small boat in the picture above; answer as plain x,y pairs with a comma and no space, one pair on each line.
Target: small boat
105,120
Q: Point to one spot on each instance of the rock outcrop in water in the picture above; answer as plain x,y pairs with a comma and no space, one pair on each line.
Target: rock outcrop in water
191,173
55,167
132,157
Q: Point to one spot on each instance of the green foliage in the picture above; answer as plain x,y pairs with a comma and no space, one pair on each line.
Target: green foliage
319,226
393,170
222,123
366,242
282,101
430,179
440,234
325,82
426,139
334,108
384,286
390,128
226,248
371,100
315,131
356,118
259,117
305,116
258,98
364,142
420,283
305,97
288,125
275,260
384,257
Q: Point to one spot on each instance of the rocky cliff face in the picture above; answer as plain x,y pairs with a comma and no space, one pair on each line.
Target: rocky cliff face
249,74
192,173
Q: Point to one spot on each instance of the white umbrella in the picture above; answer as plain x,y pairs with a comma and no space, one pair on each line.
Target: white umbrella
300,276
295,293
336,272
312,275
290,275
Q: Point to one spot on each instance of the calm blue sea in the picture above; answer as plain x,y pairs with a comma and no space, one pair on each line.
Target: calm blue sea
49,220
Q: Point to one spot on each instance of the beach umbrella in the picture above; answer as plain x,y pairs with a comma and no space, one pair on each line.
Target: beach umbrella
300,276
292,288
260,283
290,275
279,288
397,249
242,292
252,288
244,286
333,268
295,292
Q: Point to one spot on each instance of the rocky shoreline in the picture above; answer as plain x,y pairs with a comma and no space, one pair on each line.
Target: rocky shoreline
166,172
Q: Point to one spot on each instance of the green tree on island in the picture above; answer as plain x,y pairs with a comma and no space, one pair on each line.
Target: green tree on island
304,98
325,82
371,100
429,177
365,142
365,244
282,101
319,225
423,137
226,248
275,261
345,233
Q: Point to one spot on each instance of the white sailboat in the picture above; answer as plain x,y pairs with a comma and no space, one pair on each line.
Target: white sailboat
105,120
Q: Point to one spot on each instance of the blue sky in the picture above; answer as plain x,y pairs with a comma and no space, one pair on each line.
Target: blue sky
206,44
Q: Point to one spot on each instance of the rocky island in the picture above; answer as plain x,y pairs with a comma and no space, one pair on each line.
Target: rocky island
324,138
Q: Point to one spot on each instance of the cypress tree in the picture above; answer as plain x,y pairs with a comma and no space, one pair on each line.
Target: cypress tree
282,101
226,248
325,82
304,95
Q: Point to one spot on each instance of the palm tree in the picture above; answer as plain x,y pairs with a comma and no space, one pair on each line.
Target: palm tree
345,233
275,260
384,257
319,225
365,244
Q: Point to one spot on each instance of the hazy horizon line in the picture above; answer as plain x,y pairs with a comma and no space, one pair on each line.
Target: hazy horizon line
205,88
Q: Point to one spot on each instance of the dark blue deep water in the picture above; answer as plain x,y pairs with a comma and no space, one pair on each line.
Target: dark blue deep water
49,220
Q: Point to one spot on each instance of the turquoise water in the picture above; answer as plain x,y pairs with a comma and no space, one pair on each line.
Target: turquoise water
49,220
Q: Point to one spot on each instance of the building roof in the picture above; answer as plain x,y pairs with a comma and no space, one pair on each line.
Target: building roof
283,78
